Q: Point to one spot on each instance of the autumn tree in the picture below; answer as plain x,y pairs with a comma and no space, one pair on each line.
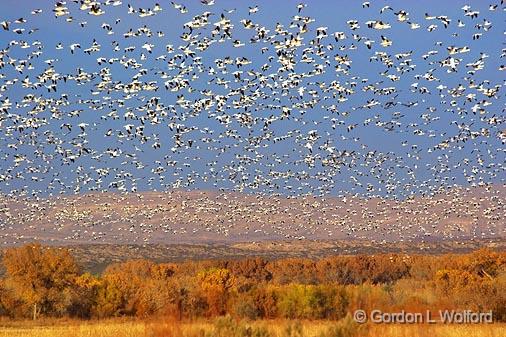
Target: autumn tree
252,268
336,269
10,305
42,278
216,285
485,262
293,270
266,298
87,286
121,285
46,281
136,287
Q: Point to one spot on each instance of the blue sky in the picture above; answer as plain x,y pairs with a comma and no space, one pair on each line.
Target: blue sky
409,163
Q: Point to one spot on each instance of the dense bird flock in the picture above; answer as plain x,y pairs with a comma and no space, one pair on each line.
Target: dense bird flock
354,111
196,217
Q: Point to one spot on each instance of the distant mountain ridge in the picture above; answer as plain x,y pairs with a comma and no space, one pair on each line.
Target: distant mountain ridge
215,217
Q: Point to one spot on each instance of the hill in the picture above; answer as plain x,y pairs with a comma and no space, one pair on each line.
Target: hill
204,217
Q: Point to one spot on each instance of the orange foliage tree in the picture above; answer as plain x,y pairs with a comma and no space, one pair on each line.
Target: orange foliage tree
42,278
217,285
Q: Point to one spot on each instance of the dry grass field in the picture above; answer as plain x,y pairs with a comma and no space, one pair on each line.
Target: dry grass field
226,327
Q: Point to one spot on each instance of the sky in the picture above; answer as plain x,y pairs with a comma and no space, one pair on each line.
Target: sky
395,154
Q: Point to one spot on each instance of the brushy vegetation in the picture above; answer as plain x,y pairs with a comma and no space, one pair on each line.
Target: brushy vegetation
42,282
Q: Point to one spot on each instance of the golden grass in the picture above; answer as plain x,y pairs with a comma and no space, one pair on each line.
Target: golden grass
130,328
438,330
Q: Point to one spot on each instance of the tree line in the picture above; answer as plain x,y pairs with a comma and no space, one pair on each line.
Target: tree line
47,282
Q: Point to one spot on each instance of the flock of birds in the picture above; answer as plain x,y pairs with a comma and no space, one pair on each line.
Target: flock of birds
396,104
228,217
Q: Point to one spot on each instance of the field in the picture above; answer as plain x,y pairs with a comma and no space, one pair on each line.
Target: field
225,327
